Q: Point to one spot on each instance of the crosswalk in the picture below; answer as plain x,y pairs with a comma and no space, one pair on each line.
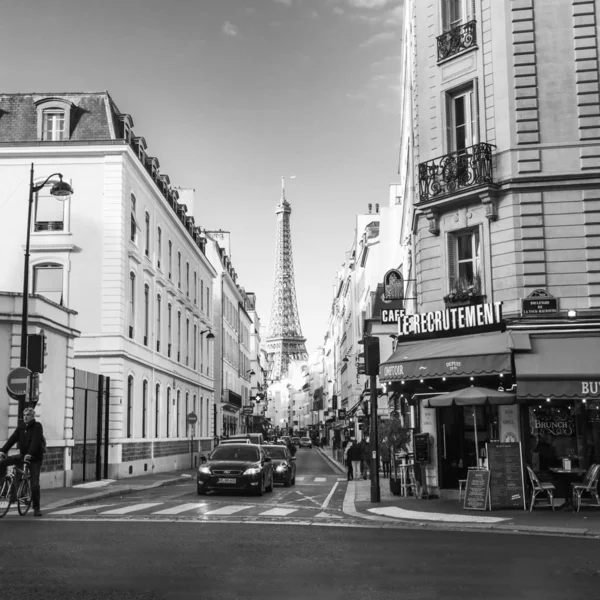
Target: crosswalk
192,510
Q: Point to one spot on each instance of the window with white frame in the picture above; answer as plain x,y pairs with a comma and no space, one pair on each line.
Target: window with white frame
187,342
456,13
146,314
147,236
158,247
53,125
462,118
170,258
178,336
169,329
48,281
187,279
158,321
195,287
179,270
134,225
464,262
145,408
202,294
131,312
157,411
168,412
195,347
129,413
49,211
177,413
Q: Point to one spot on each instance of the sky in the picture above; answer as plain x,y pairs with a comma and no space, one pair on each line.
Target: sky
230,96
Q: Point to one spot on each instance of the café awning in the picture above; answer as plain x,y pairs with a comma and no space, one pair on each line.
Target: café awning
461,356
559,367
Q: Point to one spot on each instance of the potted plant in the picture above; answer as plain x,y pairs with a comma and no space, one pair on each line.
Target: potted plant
395,436
464,290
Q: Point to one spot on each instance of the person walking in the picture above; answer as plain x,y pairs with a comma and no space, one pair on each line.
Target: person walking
365,457
354,455
347,461
384,452
30,436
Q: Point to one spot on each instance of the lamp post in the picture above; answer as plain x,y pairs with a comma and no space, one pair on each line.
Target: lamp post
60,189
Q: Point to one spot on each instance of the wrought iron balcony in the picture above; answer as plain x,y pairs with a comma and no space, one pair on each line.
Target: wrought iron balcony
456,40
455,172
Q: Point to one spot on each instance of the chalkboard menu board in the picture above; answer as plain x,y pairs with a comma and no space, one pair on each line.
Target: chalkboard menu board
507,488
422,448
477,489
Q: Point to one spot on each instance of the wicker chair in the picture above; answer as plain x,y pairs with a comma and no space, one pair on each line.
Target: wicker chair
589,485
538,487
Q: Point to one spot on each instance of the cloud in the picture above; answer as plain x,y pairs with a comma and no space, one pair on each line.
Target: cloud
314,14
370,3
286,2
338,10
230,29
378,38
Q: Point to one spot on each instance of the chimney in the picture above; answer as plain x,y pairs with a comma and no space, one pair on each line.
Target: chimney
377,208
370,208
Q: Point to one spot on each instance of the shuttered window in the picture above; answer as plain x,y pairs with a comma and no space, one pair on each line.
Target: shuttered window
456,12
462,117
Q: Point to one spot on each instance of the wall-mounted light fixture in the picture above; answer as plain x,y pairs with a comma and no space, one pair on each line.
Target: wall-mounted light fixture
210,335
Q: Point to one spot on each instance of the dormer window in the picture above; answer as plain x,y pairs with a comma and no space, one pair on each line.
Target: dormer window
53,119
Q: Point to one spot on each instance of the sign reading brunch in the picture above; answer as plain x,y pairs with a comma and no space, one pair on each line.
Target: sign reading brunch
458,320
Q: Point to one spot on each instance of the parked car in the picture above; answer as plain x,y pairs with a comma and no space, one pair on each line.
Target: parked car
284,465
253,438
295,441
305,442
242,466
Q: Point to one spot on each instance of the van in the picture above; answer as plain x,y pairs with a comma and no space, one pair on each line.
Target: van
254,438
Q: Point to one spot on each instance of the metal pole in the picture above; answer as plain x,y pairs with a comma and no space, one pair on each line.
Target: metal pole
25,309
192,448
375,492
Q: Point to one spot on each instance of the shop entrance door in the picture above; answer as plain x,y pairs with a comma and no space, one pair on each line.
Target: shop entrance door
451,447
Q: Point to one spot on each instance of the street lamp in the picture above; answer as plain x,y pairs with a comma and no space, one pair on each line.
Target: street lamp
210,335
60,189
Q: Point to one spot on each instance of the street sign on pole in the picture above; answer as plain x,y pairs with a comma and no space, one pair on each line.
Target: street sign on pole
192,418
17,382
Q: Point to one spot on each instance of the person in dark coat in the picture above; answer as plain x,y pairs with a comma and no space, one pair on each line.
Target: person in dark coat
354,455
365,457
30,437
384,453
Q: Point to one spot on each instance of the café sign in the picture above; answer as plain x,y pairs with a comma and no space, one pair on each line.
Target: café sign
458,320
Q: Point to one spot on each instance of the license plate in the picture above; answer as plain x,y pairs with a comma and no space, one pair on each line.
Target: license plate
226,480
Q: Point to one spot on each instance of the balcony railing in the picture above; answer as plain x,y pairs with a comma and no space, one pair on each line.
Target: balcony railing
455,172
456,40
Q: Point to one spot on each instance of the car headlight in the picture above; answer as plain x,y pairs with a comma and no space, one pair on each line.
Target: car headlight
281,468
252,471
204,470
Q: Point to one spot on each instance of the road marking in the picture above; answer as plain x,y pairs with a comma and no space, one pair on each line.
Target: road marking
228,510
325,515
300,478
129,509
176,510
320,478
326,503
78,509
341,479
311,498
278,512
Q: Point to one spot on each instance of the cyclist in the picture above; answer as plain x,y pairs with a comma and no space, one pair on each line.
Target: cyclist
30,436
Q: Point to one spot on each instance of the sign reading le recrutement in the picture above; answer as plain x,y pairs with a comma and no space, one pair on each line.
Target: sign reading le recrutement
457,320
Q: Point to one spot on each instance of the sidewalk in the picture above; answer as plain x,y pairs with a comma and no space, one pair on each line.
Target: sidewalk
449,514
97,490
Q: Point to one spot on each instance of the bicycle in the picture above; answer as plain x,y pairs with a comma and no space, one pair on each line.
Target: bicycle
23,493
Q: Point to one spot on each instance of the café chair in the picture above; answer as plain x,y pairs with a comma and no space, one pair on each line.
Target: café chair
538,487
589,485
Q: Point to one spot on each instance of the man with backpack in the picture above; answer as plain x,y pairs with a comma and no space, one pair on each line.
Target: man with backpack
32,446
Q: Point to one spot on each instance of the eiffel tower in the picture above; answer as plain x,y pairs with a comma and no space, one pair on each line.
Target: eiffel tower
284,338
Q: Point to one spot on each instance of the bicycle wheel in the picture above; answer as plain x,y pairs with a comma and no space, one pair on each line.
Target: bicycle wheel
24,497
5,501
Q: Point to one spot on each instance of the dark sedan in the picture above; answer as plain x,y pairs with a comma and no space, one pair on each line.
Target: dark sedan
284,464
244,467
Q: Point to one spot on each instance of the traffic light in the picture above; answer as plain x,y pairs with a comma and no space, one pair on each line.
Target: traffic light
371,354
360,364
34,393
36,352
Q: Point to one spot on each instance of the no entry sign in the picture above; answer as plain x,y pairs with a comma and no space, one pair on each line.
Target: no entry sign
192,418
17,381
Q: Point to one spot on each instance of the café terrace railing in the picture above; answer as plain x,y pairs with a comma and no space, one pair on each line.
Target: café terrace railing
456,40
455,172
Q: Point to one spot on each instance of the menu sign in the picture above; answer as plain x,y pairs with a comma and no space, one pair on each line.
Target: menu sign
477,490
507,487
421,441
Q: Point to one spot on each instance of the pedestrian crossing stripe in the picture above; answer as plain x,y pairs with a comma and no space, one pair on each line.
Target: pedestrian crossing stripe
124,510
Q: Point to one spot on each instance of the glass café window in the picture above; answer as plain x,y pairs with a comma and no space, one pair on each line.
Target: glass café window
564,429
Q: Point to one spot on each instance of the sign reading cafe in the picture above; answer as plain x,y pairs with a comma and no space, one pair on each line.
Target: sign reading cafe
451,321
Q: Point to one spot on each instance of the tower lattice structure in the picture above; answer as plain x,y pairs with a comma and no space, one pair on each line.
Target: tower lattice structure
285,342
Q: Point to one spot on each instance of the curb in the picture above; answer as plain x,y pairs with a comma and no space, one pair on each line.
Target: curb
109,493
332,462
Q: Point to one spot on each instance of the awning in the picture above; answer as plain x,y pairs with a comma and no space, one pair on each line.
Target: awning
559,367
471,396
353,409
461,356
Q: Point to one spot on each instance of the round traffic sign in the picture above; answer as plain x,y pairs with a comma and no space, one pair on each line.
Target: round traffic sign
18,381
192,418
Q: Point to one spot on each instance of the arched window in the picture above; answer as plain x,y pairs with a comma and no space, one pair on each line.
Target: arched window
157,411
145,408
146,314
147,236
129,414
202,294
134,225
201,417
131,313
187,279
195,426
170,259
168,412
158,247
187,405
187,342
195,288
177,413
169,329
178,336
195,346
48,281
179,270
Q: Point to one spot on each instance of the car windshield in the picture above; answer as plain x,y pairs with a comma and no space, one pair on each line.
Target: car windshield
235,453
305,439
275,452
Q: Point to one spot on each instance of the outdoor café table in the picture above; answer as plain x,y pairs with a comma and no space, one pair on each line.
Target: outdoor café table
566,478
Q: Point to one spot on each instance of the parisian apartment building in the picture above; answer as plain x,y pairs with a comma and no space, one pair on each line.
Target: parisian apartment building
124,255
